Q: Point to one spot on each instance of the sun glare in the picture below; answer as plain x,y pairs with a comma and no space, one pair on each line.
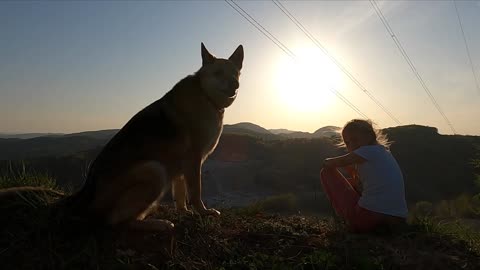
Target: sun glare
304,83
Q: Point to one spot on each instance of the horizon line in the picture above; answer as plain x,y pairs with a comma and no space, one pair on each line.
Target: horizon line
10,133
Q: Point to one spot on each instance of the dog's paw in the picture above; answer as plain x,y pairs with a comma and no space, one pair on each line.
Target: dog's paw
184,211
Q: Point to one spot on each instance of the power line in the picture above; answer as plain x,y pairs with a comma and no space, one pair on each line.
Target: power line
285,49
333,59
269,35
466,46
260,28
409,62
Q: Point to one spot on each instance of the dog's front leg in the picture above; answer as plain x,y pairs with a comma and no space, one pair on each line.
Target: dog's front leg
193,180
179,192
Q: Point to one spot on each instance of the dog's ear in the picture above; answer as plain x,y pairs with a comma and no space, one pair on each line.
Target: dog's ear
207,57
237,57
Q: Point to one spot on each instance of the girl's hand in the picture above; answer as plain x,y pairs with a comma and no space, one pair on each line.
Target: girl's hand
351,170
328,163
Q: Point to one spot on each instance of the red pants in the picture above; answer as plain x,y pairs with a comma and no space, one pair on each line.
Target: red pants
344,200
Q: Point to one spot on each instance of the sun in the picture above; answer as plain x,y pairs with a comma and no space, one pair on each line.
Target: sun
305,83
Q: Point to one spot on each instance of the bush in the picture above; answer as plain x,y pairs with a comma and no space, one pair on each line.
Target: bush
464,206
442,209
476,204
421,211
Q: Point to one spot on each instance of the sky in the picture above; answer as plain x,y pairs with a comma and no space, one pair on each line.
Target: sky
89,65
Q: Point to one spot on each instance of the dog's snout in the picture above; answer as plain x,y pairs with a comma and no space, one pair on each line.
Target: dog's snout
234,84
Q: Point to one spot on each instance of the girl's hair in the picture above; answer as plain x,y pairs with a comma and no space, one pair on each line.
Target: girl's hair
366,127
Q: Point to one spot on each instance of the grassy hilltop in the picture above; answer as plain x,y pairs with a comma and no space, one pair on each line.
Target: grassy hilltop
244,238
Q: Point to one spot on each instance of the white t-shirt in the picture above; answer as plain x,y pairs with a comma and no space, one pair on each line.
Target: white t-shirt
382,181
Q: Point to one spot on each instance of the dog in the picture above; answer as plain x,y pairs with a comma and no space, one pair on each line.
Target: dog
161,147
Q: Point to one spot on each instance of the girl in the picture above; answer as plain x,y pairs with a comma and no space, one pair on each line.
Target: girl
381,198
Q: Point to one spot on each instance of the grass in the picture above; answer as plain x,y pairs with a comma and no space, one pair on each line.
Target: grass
457,218
35,236
20,178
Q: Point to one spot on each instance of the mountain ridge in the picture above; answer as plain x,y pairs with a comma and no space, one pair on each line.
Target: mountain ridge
241,127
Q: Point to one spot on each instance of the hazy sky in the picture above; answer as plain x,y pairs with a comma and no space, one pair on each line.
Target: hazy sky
88,65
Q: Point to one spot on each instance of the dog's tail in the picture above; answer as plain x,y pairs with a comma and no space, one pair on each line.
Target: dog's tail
78,202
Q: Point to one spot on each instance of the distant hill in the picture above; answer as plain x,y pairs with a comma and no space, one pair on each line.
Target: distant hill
435,166
327,131
19,149
53,145
26,135
57,145
106,134
97,134
297,135
246,128
281,131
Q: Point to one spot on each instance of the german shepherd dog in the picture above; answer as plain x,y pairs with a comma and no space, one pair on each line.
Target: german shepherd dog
163,146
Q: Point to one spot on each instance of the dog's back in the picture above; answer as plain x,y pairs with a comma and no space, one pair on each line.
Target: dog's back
135,141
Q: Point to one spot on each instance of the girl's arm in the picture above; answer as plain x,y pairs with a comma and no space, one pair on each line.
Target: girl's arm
347,161
342,161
